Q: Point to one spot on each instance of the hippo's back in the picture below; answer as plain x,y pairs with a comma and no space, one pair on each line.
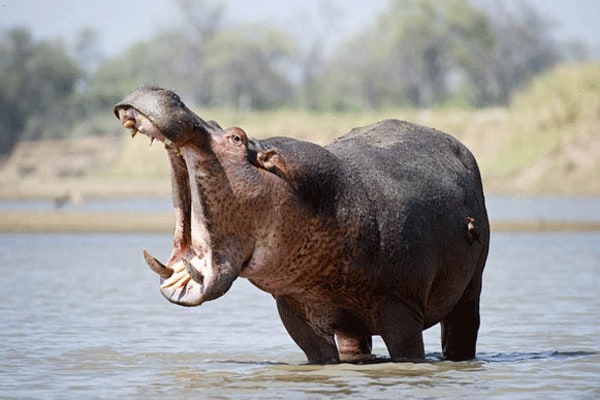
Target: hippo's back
403,160
423,184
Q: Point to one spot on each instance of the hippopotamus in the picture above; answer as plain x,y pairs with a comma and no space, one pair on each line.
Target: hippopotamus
383,232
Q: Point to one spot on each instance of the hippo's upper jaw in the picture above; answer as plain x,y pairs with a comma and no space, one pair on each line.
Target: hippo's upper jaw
138,122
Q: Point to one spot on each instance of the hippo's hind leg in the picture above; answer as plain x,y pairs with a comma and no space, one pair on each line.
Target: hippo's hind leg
320,348
402,331
459,328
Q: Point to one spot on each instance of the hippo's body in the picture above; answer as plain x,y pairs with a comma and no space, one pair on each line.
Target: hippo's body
383,232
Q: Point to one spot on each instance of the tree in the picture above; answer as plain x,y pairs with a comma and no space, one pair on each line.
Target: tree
36,81
426,53
409,55
159,61
243,68
201,19
312,34
524,47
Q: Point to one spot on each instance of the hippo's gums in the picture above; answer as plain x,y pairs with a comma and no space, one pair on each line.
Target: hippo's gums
383,232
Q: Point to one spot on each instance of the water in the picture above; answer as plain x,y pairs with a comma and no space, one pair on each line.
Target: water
81,317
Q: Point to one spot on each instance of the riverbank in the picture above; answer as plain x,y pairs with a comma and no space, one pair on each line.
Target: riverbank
162,222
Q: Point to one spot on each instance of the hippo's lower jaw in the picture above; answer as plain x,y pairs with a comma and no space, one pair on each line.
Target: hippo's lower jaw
194,280
183,282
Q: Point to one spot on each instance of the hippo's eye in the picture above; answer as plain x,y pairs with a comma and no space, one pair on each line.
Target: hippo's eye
237,139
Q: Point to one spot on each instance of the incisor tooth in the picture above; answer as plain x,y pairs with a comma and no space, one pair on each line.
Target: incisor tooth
178,278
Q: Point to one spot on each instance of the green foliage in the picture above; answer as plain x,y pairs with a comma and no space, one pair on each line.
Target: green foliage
427,53
242,69
234,68
37,81
154,62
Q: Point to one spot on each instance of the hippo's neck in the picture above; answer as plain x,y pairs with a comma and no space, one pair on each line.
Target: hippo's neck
330,248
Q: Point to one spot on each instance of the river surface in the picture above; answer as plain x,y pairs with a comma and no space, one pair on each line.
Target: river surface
81,317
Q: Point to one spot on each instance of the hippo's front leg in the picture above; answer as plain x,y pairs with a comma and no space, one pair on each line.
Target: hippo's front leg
318,347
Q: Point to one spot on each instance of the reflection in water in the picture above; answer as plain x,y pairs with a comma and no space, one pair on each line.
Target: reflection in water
79,321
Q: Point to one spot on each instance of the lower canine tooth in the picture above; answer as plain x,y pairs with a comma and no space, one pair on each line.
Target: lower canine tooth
133,133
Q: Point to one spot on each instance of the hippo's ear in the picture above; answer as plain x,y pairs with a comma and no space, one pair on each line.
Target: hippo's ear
272,161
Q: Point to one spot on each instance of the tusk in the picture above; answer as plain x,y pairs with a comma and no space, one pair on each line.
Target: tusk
194,273
157,266
133,132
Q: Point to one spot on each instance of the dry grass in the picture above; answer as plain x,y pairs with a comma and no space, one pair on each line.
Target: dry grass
74,222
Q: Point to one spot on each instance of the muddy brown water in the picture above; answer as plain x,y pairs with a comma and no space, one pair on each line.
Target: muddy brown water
81,317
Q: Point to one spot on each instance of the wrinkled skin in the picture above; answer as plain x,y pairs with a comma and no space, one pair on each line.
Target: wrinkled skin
383,232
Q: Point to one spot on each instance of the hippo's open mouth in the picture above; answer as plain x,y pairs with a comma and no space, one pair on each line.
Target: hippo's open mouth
191,275
138,122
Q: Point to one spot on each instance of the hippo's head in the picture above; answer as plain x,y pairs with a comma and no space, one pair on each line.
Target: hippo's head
227,192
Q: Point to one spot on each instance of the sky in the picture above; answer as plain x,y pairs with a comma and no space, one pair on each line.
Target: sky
120,23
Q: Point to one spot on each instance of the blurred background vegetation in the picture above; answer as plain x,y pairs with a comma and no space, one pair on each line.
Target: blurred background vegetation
454,58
